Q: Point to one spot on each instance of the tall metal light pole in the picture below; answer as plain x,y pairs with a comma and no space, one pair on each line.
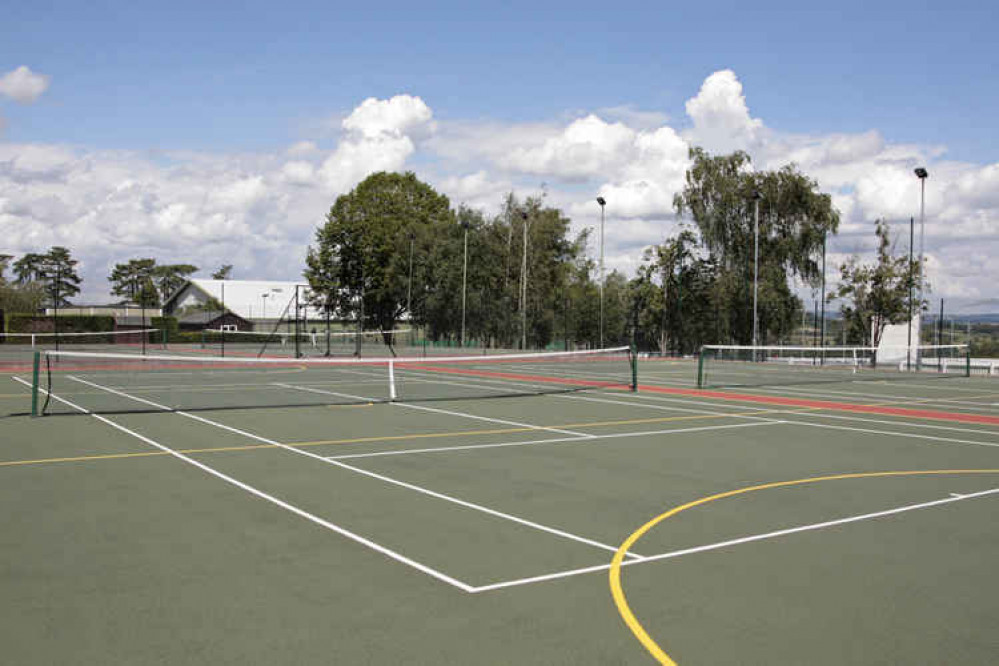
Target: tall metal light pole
908,348
822,330
756,263
464,280
922,174
523,289
264,297
602,202
409,290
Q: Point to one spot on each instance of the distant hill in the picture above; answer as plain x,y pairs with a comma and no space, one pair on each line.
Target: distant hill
992,318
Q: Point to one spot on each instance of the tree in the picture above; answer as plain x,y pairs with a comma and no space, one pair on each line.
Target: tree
223,273
878,294
131,279
359,264
171,277
29,268
58,273
794,219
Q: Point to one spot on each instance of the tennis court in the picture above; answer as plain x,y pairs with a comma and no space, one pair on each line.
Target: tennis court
210,511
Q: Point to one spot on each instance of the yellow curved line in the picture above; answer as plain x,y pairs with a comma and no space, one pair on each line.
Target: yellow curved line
617,592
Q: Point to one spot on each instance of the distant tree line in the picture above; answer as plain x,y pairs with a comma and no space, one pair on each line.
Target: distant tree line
393,250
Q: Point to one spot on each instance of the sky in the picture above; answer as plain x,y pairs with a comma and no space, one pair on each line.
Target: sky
205,133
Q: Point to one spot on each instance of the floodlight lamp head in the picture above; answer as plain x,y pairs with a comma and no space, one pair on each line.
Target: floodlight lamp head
523,215
601,201
921,172
757,195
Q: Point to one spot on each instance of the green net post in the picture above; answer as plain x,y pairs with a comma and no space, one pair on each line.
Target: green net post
700,368
967,362
35,366
634,369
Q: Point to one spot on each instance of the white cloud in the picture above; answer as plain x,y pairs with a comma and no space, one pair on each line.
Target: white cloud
22,85
721,117
395,117
259,211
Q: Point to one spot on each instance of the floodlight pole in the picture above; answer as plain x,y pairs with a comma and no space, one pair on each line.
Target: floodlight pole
908,347
55,304
464,282
822,329
922,174
409,290
523,289
756,264
603,203
222,320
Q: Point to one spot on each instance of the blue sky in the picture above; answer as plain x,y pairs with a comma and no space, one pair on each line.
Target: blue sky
221,133
221,76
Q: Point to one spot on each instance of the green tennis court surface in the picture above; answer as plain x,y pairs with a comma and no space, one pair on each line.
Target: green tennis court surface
473,530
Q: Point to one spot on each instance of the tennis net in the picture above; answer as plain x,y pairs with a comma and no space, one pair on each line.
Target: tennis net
308,342
71,382
733,366
16,348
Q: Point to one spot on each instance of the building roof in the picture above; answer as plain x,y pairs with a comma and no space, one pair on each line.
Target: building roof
246,299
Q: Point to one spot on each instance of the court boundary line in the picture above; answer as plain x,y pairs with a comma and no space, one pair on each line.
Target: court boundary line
333,527
617,591
438,411
381,477
728,543
554,440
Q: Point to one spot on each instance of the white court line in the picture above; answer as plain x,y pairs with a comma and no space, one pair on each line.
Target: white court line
816,413
554,440
364,472
893,433
908,399
398,557
736,542
702,402
435,410
900,424
701,412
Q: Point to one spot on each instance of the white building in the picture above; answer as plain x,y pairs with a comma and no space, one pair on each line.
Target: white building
258,301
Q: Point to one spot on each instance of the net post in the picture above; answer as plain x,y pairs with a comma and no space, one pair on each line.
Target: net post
633,353
700,368
35,366
391,378
967,362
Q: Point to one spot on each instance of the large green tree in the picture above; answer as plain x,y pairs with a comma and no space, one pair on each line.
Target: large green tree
721,194
30,268
171,277
54,270
359,265
133,280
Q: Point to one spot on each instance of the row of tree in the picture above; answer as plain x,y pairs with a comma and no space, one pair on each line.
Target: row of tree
52,279
394,249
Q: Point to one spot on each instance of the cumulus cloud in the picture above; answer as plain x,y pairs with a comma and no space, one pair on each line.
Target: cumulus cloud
22,85
395,117
379,136
721,116
259,211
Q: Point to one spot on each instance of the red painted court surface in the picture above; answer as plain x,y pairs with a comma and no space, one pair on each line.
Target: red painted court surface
199,513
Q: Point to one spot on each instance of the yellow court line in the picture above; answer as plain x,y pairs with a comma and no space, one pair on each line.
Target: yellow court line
617,592
383,438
